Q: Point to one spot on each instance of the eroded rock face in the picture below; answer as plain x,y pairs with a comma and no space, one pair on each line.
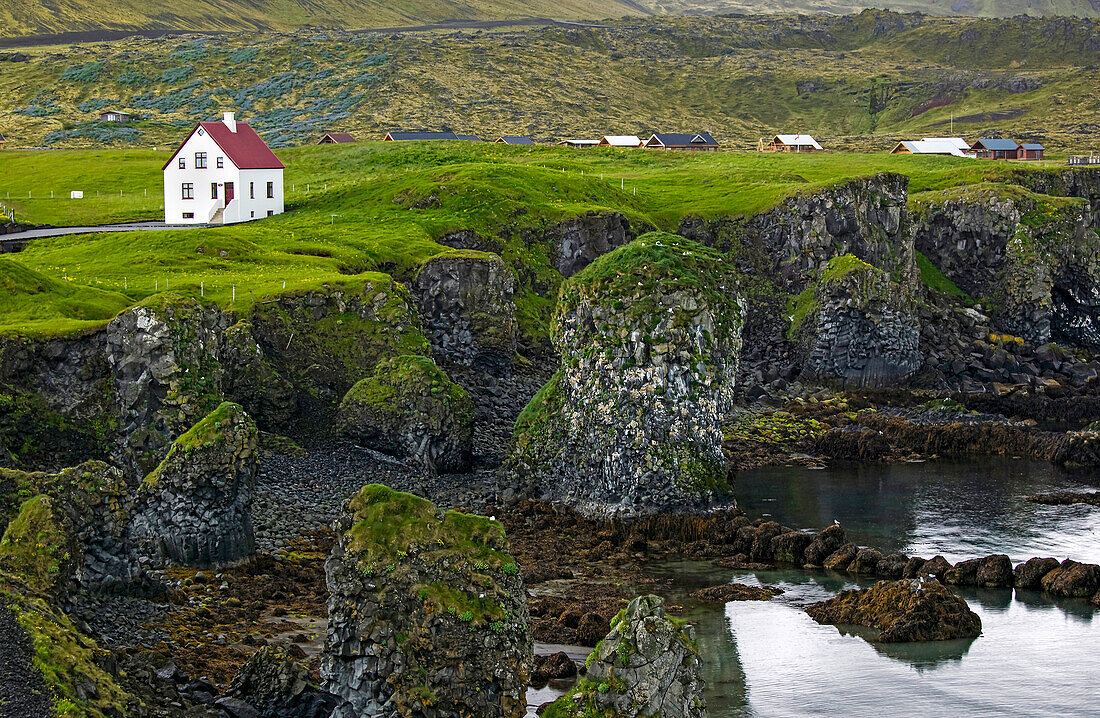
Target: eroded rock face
581,240
271,683
466,305
196,507
427,613
649,337
904,611
863,329
647,666
411,409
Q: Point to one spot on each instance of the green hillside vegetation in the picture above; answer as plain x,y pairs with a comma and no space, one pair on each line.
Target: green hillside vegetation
968,8
855,82
391,202
40,17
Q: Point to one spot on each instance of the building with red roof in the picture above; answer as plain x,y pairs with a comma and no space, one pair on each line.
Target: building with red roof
222,173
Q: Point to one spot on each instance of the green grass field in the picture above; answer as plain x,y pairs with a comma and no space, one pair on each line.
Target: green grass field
381,207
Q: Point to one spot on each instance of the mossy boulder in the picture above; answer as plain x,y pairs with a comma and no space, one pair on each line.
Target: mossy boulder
411,409
39,549
427,614
648,665
649,337
195,507
904,611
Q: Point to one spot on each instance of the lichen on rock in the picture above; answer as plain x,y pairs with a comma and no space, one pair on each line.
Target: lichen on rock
411,409
648,665
649,336
195,507
427,613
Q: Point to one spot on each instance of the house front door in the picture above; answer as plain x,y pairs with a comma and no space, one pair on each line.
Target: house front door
228,192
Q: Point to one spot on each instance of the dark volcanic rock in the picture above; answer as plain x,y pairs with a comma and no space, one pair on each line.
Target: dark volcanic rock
840,559
964,573
424,607
825,543
579,241
903,610
735,592
790,547
1029,574
553,666
866,561
936,566
274,684
196,507
994,572
23,693
892,566
1073,579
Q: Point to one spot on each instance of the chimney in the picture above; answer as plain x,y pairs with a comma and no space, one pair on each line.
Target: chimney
230,122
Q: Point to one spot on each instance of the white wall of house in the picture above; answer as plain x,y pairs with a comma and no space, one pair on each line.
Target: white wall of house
250,187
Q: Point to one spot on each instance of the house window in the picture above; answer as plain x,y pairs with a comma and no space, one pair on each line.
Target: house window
270,212
271,190
252,190
253,213
200,160
221,162
188,215
183,163
188,190
213,190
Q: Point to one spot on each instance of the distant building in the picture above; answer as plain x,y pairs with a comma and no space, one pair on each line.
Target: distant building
790,143
996,149
406,136
955,146
222,173
580,144
2,140
336,138
512,140
700,141
621,141
1031,151
114,116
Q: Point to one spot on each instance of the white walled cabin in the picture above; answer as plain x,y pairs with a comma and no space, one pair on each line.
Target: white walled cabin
222,173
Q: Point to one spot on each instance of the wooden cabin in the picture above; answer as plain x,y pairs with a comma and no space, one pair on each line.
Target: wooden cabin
515,140
114,116
790,143
1031,151
995,149
698,142
336,138
406,136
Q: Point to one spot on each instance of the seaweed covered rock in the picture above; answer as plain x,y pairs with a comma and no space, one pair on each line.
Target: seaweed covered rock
427,613
824,544
274,684
411,409
1029,574
648,665
857,326
649,336
196,507
904,611
467,309
1072,579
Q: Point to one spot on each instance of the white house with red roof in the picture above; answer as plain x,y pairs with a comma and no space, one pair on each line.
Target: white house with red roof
222,173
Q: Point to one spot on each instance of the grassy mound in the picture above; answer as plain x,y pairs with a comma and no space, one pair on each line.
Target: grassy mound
29,299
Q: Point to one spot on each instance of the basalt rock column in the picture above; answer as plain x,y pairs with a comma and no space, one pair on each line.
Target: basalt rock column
649,336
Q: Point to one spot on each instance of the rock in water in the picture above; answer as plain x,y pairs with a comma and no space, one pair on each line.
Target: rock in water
196,507
274,684
647,666
427,613
650,338
903,611
410,408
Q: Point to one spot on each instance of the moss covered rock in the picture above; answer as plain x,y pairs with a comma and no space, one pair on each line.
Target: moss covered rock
410,408
649,336
427,614
39,549
647,666
195,508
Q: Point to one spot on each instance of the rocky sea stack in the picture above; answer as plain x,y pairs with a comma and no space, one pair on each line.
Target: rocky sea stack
196,507
647,666
411,409
904,611
650,337
427,613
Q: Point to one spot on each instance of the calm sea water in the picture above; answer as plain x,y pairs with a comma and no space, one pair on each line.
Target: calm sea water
1037,655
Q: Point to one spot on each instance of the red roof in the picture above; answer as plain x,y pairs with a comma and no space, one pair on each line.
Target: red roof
244,148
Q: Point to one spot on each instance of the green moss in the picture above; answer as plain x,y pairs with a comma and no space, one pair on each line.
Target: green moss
206,433
542,406
36,545
778,429
799,307
937,281
840,267
400,384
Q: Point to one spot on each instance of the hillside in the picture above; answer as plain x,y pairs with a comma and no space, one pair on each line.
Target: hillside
860,81
37,17
961,8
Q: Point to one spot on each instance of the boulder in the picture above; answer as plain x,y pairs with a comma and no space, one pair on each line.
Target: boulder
466,305
648,665
790,547
825,543
995,572
865,562
840,559
591,628
555,666
964,573
274,684
913,567
38,547
892,566
1073,579
904,611
936,566
1029,574
735,592
649,337
411,409
761,550
195,508
425,608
